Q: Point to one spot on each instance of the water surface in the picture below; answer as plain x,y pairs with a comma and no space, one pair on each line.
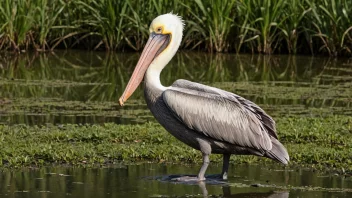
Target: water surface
146,180
83,87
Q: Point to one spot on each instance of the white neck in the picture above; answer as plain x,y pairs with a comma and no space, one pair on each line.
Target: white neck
152,75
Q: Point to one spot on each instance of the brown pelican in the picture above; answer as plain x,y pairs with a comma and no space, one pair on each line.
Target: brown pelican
205,118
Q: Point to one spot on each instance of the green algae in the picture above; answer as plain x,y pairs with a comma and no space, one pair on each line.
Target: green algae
291,90
313,142
276,97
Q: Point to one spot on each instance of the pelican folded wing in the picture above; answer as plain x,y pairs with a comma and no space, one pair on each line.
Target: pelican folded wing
217,117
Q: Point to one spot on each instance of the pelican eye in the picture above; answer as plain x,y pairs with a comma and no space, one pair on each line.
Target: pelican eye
159,30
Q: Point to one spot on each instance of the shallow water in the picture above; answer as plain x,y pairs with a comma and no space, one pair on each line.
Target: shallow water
145,180
83,87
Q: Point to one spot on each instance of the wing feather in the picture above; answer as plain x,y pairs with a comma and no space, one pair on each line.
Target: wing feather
218,117
266,120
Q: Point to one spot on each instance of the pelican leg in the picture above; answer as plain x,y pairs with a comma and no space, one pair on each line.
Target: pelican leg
204,167
201,173
225,166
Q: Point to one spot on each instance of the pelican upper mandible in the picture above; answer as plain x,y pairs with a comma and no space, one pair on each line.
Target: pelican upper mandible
205,118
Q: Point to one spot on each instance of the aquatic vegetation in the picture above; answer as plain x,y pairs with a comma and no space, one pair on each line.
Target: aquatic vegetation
331,24
293,25
314,142
213,20
263,19
268,26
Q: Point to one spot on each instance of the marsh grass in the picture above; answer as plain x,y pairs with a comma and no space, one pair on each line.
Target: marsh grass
257,26
332,23
263,18
295,12
314,142
213,20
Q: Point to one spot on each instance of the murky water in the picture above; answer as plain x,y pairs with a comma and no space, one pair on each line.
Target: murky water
146,180
83,87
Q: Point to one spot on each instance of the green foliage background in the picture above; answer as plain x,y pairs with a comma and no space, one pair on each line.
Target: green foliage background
257,26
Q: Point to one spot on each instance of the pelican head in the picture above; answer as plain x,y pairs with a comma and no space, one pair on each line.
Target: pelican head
164,40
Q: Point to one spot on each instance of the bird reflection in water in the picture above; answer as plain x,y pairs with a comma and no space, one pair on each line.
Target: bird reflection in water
226,190
213,180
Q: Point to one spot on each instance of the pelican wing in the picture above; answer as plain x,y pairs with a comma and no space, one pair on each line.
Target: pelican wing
266,120
217,114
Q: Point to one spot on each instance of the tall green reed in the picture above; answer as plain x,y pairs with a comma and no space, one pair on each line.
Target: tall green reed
213,20
105,19
263,26
15,23
264,19
46,20
331,25
295,12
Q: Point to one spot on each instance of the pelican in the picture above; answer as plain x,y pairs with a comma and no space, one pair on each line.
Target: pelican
205,118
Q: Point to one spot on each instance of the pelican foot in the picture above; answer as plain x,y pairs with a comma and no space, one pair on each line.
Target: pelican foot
188,179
